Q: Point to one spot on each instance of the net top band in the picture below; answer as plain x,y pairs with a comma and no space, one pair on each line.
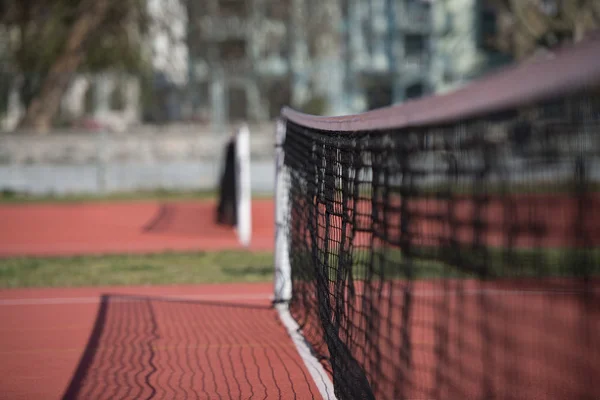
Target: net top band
566,71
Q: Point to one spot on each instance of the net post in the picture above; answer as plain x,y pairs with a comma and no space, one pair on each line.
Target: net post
244,197
283,272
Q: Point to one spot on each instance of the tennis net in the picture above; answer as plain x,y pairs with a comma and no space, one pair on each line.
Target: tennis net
448,248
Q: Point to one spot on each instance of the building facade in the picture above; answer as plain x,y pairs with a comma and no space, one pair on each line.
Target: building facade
461,50
239,59
248,58
387,51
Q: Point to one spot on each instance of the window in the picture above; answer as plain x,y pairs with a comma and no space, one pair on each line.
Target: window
238,104
487,27
415,91
90,99
549,7
233,8
279,94
277,10
233,50
201,95
117,98
379,91
414,45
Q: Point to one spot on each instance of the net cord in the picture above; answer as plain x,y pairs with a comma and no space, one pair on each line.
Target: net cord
283,272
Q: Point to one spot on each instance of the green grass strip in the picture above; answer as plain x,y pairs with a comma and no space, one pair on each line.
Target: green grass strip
155,269
459,263
11,197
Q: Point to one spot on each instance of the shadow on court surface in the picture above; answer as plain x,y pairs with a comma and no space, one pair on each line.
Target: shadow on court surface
182,219
147,347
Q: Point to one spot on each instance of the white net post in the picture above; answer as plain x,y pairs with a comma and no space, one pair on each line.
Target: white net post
244,198
283,272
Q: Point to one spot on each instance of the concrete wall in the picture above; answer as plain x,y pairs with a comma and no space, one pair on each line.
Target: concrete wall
80,162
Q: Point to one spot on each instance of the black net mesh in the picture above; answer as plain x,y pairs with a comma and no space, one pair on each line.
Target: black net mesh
451,262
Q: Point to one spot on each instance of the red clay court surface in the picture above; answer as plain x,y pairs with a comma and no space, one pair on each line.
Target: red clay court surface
225,341
152,226
124,227
216,341
518,340
208,342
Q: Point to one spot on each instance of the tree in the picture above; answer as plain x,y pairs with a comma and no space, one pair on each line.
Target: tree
53,40
525,27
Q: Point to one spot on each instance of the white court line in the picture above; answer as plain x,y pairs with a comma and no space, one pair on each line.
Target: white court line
314,367
426,293
494,292
269,296
132,297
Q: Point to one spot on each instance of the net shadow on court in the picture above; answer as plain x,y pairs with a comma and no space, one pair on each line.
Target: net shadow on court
177,218
153,347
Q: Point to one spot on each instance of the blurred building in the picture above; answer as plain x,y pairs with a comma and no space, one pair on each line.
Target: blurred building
387,56
396,50
239,59
251,57
461,50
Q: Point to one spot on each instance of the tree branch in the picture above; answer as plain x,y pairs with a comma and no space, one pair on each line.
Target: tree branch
42,109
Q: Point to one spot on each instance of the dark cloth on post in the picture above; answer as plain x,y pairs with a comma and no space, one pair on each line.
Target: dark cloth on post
227,208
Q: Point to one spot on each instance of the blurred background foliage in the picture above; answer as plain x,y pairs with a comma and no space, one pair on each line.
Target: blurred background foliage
71,36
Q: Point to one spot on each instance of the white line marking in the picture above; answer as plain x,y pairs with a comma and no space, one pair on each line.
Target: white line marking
312,364
269,296
494,292
131,297
427,293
